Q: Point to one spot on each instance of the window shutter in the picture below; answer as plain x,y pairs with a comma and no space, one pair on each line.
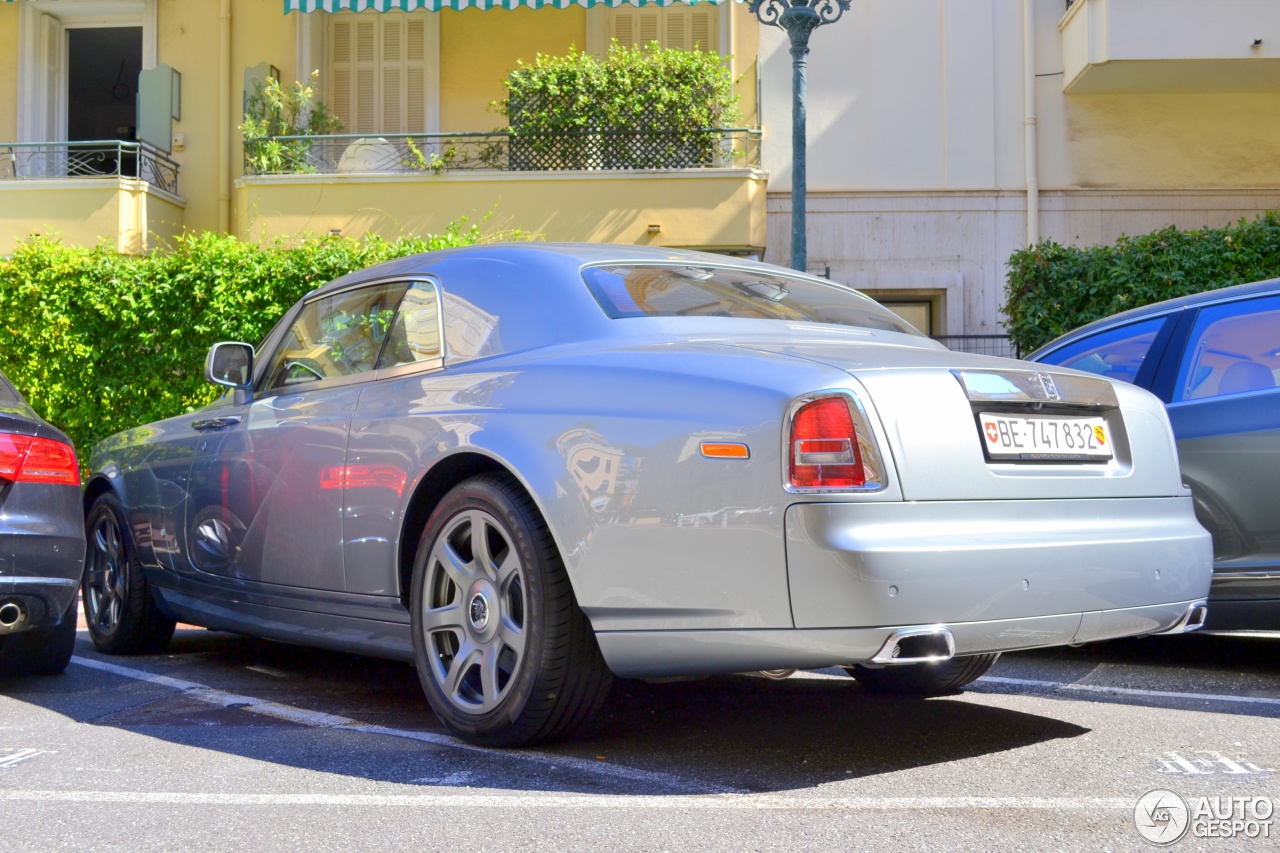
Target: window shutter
416,76
703,29
392,78
648,26
677,30
340,71
624,27
366,61
674,27
378,72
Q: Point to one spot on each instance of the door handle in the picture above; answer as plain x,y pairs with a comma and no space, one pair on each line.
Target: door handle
216,423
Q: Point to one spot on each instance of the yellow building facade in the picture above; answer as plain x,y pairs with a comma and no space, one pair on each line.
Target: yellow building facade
72,73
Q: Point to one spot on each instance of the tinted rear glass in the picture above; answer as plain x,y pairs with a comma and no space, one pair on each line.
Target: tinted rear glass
7,394
686,291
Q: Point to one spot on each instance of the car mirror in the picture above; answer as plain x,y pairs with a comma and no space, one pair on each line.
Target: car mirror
229,364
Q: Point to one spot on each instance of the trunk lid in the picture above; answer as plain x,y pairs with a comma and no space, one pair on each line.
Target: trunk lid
931,402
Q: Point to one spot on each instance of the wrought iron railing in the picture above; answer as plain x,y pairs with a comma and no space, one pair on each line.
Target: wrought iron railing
90,159
589,150
980,344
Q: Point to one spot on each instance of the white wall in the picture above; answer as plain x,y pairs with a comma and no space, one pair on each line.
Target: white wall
916,168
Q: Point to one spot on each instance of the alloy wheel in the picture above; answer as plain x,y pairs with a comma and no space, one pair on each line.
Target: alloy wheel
474,608
106,582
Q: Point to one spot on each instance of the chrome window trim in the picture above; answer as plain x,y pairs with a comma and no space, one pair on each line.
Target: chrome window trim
866,440
426,366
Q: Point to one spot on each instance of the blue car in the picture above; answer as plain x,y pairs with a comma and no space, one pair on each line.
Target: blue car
1214,359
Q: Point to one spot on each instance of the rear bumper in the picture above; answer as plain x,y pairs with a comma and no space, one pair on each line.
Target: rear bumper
997,575
651,654
41,554
918,563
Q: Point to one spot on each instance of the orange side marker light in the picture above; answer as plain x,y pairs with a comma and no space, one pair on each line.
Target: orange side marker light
725,450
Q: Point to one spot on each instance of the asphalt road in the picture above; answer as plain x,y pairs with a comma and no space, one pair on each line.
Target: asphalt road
227,743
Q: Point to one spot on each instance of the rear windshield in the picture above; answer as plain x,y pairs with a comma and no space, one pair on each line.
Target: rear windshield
7,394
688,291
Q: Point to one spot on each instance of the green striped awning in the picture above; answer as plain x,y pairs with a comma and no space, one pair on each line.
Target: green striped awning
437,5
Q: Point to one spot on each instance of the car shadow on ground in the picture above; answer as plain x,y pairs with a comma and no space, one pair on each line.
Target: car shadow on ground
739,733
1239,674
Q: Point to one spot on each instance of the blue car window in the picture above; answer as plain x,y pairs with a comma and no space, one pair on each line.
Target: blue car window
1115,353
336,335
1234,348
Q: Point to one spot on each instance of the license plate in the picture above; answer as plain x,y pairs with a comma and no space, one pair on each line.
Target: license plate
1010,437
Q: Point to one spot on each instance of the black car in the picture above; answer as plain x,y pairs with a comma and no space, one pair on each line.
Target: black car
1214,359
41,540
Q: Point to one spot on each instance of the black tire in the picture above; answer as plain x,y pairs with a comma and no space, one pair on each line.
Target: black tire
119,608
924,679
40,651
504,654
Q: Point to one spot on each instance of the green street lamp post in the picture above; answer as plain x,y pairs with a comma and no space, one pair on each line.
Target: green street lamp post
799,18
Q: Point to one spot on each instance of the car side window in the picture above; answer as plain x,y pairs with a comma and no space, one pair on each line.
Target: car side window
414,335
1115,353
1234,348
336,335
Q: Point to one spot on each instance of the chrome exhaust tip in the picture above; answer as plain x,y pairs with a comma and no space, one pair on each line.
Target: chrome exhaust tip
10,614
925,644
1192,619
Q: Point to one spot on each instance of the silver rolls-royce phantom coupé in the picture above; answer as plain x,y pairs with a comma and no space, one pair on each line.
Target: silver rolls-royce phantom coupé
528,468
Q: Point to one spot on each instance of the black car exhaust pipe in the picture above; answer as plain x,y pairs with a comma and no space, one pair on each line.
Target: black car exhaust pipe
11,614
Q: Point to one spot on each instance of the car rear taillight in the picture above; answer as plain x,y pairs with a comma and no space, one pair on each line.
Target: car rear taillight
26,459
824,447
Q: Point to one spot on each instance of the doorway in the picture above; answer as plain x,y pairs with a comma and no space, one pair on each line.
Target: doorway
102,82
69,64
102,98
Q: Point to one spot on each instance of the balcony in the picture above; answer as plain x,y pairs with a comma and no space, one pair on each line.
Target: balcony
1170,46
694,188
85,193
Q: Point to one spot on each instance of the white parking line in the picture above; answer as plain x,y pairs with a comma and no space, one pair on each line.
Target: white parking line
317,719
15,758
1126,691
741,802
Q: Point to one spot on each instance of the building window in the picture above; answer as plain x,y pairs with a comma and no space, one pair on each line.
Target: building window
675,27
379,71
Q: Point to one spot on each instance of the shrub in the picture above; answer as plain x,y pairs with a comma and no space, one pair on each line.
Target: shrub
1052,289
609,104
274,110
98,342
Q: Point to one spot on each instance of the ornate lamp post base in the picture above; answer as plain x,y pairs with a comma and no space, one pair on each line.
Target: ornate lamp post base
799,18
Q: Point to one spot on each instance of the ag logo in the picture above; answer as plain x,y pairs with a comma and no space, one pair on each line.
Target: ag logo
993,435
1161,816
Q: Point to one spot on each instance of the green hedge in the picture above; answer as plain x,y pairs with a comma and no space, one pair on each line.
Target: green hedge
630,88
1053,288
98,342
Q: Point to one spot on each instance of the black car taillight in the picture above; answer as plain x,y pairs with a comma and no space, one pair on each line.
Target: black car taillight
27,459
